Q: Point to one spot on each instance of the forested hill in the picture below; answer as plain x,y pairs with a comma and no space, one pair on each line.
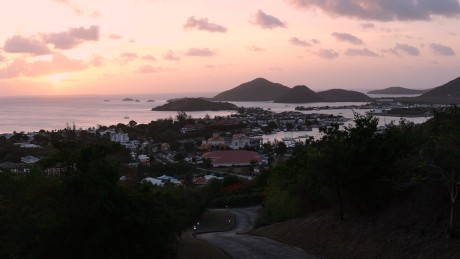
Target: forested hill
299,94
259,89
364,192
341,95
446,93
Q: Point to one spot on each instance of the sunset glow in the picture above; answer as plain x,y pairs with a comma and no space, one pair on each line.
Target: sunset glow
152,46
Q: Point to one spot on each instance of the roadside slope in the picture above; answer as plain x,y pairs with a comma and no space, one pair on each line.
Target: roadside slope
413,227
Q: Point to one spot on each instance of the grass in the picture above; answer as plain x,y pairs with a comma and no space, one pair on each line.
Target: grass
210,221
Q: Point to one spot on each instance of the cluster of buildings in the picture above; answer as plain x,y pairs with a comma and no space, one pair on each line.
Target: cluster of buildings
239,146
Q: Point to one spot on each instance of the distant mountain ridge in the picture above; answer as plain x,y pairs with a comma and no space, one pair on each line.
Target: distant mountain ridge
398,90
299,94
261,89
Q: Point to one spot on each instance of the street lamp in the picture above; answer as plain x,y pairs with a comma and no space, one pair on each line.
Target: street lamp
194,231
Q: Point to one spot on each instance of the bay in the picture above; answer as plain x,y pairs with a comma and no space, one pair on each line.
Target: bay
34,113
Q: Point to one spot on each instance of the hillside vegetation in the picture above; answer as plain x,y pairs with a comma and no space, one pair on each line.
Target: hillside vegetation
361,192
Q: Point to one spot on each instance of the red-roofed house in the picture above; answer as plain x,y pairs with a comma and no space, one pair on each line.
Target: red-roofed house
233,158
216,140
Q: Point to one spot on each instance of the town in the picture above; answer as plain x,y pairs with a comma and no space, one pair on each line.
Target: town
169,151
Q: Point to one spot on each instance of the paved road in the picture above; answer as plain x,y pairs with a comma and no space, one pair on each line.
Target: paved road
238,246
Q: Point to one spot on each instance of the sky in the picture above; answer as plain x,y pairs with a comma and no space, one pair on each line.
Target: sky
69,47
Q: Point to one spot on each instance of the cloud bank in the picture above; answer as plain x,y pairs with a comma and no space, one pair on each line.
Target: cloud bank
58,64
383,10
19,44
72,37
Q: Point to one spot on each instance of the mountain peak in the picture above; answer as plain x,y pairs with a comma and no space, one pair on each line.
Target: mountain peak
259,89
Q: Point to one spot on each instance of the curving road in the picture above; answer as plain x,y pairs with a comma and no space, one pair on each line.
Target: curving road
236,245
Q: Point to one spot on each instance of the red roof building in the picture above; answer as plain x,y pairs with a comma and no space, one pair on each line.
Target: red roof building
233,158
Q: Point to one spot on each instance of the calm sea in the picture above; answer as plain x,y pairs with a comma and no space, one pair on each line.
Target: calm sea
30,114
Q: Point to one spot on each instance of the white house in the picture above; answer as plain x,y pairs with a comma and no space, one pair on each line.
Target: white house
240,141
119,137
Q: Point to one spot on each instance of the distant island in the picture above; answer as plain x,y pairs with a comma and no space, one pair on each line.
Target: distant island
150,101
130,100
195,104
398,90
260,89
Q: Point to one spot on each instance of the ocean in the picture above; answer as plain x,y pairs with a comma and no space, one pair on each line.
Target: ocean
33,113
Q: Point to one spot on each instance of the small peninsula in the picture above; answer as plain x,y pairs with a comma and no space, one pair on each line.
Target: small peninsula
398,90
195,104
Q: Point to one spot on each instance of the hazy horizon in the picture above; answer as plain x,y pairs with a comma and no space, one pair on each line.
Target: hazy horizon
83,47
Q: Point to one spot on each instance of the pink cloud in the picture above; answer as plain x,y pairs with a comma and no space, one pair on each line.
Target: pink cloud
115,36
147,69
384,10
360,53
442,50
327,53
170,55
347,37
255,48
298,42
72,37
400,48
58,64
196,52
149,58
19,44
129,55
267,21
203,25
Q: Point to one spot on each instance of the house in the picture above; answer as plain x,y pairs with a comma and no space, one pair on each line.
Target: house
29,159
191,127
119,137
18,168
143,159
153,181
233,158
240,141
216,140
170,179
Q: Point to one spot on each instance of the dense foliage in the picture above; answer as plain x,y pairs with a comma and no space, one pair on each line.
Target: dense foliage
86,212
361,169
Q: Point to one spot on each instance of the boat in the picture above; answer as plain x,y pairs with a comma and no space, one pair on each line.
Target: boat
126,117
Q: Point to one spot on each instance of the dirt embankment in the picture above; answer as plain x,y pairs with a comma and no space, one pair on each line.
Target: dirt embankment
413,226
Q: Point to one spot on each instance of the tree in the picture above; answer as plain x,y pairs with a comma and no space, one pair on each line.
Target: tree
443,154
281,148
132,123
